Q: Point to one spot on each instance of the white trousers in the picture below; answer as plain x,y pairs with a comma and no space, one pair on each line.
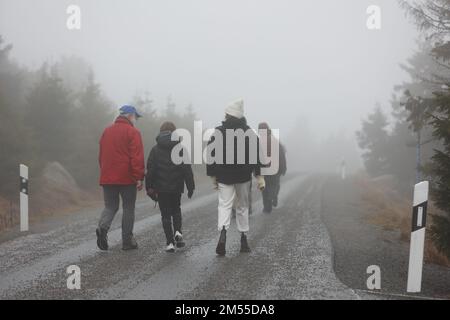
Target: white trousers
237,194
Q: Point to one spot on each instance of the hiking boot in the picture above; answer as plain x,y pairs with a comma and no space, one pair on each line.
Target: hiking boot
170,248
179,240
102,239
220,250
244,243
130,244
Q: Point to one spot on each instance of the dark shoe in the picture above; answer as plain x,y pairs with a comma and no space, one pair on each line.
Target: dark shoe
220,250
179,240
275,202
102,239
267,211
244,243
130,244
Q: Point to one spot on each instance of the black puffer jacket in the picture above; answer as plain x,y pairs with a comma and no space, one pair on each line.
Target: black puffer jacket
235,173
162,174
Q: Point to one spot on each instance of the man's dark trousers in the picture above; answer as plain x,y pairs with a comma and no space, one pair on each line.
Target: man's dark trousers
270,192
112,195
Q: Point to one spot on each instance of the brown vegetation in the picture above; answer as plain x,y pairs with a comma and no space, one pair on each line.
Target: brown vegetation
391,210
55,192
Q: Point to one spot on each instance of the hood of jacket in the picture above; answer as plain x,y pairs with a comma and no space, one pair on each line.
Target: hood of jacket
235,123
164,140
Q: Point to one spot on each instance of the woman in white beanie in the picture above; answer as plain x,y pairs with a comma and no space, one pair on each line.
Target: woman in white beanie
232,180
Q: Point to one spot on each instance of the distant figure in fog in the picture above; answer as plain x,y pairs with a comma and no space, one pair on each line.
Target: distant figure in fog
343,169
272,189
232,180
122,170
165,182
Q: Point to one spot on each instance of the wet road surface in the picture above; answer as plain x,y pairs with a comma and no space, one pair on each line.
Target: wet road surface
291,258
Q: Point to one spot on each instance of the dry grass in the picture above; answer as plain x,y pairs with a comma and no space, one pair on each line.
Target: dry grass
391,210
45,202
8,214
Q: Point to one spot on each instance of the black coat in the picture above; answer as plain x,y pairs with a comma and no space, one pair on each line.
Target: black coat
162,174
283,165
235,173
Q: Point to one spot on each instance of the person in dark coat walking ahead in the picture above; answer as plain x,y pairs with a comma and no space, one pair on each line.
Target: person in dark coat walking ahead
122,170
165,182
232,180
270,193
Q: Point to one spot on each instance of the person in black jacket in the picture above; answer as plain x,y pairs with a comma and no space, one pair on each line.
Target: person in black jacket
270,193
232,178
165,182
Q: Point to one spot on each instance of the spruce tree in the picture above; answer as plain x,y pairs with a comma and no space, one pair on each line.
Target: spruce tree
373,138
432,17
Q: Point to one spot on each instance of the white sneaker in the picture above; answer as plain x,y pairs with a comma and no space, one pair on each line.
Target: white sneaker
179,240
170,248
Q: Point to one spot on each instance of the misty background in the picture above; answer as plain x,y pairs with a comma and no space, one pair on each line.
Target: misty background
310,68
376,100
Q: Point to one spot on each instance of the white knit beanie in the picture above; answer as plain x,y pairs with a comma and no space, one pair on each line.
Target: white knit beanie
236,109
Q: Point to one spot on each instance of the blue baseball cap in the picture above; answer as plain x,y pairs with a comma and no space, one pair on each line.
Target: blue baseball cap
126,109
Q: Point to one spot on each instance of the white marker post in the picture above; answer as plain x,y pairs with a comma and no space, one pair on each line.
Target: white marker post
343,169
419,219
23,197
343,174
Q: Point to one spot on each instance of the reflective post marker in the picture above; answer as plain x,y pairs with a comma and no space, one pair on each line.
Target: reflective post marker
419,219
23,198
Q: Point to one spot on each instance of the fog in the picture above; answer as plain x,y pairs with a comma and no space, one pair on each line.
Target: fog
295,63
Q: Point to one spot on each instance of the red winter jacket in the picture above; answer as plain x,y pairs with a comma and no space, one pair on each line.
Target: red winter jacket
121,155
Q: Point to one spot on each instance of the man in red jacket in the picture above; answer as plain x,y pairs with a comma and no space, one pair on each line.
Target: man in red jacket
122,171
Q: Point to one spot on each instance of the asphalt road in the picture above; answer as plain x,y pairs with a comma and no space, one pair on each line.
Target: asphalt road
292,256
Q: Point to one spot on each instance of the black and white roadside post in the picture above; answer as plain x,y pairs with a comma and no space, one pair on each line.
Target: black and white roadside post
419,219
23,197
